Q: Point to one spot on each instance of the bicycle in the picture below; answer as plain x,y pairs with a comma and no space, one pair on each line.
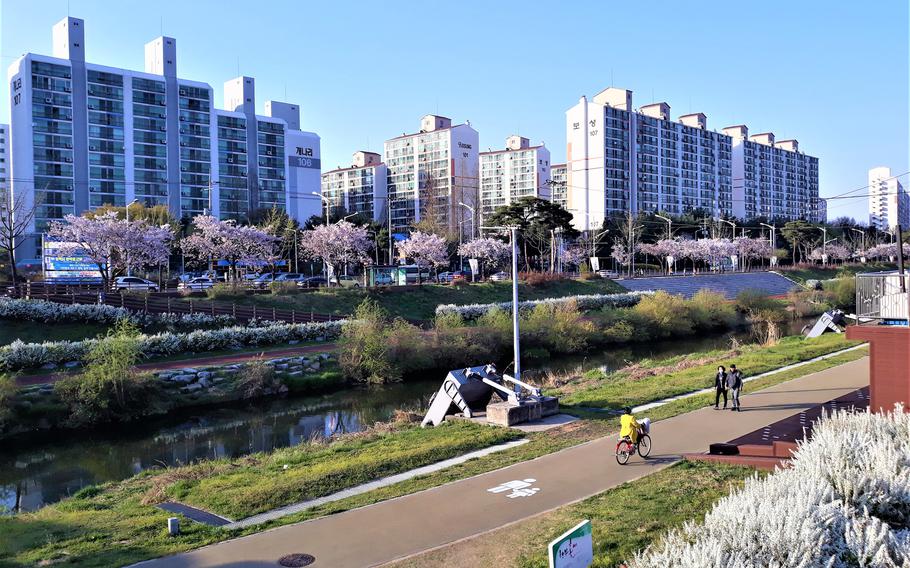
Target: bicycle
625,449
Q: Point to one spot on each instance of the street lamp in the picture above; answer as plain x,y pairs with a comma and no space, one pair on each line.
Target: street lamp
326,201
729,223
473,216
773,240
129,269
863,233
670,225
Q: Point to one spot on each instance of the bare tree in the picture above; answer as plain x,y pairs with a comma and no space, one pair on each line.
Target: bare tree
16,216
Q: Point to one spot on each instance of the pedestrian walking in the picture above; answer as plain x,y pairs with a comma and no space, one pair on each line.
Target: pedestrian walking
720,386
735,384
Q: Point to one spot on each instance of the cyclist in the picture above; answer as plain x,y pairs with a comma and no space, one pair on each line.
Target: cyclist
629,427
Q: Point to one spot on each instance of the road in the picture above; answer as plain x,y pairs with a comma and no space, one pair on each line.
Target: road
407,525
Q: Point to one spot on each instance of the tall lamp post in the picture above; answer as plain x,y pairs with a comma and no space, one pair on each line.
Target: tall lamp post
863,233
729,223
129,268
670,225
326,201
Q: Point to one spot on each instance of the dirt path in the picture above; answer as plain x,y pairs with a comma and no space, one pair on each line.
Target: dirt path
226,359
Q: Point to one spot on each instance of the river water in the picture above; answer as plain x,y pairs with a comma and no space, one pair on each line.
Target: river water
41,470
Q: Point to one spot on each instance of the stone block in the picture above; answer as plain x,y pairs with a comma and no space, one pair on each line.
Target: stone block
72,364
183,379
204,374
191,388
189,371
508,414
549,406
295,373
48,366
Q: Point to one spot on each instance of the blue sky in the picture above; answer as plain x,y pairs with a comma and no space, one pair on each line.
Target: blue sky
833,75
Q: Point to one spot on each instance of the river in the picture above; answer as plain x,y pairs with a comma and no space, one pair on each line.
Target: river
43,469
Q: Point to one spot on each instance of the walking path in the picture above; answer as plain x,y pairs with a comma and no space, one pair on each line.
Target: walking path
216,360
407,525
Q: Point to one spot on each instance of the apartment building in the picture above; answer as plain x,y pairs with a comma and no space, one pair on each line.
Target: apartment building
889,203
772,178
4,162
558,184
520,170
431,172
621,159
84,135
822,211
360,188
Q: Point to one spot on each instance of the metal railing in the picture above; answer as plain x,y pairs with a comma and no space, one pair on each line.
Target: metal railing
883,297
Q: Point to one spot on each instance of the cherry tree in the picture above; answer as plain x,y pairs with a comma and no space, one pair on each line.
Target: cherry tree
573,256
887,251
113,244
490,252
750,249
620,253
215,239
336,245
424,249
834,251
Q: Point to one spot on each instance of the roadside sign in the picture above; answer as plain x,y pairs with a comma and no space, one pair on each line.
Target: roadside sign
64,262
475,265
573,548
595,263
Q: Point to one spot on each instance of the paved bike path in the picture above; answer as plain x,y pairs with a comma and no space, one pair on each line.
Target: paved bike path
407,525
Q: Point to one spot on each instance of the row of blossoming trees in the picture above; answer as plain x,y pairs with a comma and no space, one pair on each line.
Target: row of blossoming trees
116,245
713,252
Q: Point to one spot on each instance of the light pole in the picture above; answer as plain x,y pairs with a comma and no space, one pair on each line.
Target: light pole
729,223
863,233
669,225
129,268
473,216
326,201
773,239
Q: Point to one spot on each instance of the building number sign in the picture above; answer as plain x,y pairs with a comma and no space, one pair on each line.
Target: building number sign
16,86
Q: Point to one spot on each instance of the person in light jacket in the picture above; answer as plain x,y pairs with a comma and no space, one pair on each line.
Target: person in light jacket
735,384
720,386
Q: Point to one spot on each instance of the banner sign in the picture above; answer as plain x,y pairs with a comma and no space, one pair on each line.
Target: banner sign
595,263
574,548
474,265
75,266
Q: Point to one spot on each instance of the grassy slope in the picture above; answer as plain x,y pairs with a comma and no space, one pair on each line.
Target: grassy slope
624,519
661,379
818,273
34,332
419,302
84,529
109,525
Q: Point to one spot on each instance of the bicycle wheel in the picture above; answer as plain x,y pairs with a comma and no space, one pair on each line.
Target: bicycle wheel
623,452
644,446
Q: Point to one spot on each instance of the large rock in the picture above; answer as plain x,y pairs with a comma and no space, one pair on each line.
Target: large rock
508,414
72,364
204,374
48,366
191,388
189,371
183,379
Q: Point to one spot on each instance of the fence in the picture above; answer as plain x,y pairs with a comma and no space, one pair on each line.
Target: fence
163,303
883,297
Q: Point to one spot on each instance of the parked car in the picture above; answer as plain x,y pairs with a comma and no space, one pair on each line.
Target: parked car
606,274
500,276
383,279
312,282
444,277
134,283
459,276
344,281
264,280
200,283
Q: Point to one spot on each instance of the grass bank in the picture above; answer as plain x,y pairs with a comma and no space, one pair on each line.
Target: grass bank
648,381
419,302
110,525
803,273
624,519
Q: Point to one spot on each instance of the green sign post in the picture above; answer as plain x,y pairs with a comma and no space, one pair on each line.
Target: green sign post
573,548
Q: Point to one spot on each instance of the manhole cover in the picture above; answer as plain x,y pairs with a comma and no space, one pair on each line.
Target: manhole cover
296,560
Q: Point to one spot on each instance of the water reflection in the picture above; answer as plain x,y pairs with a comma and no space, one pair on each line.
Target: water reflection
37,471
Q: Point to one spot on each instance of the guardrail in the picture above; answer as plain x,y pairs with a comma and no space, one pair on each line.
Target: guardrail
164,303
883,297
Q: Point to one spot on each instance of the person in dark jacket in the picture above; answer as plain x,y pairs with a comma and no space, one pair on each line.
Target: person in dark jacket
735,384
720,386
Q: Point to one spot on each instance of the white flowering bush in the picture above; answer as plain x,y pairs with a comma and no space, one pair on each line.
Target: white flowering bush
844,502
585,303
19,355
44,311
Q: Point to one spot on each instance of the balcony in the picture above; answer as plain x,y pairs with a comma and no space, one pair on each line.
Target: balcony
882,298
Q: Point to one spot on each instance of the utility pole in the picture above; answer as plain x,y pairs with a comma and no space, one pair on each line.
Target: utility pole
515,335
669,225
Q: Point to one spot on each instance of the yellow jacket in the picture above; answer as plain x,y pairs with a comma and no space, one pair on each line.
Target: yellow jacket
628,426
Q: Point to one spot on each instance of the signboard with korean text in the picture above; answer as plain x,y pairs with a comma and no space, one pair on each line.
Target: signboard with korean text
574,548
71,265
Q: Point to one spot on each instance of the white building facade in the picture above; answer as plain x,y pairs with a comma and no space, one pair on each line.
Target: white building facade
521,170
889,203
430,173
85,135
361,188
558,185
772,178
620,160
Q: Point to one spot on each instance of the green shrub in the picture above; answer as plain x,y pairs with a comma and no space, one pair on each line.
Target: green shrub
559,328
664,315
497,319
364,343
709,310
109,389
258,378
750,300
8,391
843,292
226,291
448,320
283,287
806,303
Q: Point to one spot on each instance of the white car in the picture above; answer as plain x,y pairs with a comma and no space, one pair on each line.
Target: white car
500,277
134,283
200,283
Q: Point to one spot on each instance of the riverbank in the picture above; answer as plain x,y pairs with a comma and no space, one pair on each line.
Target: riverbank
81,529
